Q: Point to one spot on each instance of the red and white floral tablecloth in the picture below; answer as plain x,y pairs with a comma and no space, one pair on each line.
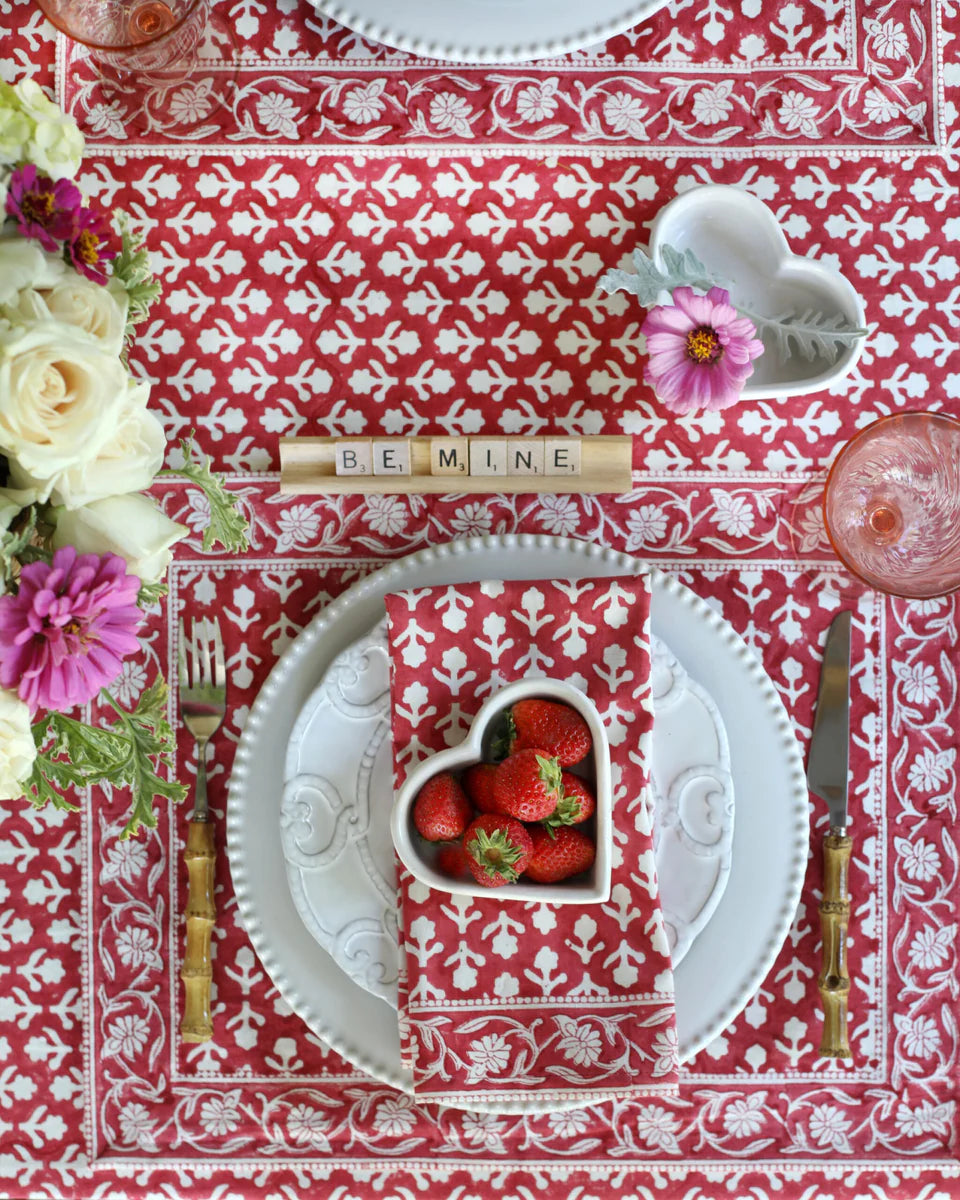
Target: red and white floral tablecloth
356,241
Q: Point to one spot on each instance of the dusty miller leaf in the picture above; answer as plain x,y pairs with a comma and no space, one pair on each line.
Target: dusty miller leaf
228,525
681,269
810,334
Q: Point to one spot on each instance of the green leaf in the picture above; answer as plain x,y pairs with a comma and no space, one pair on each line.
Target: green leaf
12,548
151,593
149,737
810,334
131,268
228,525
127,754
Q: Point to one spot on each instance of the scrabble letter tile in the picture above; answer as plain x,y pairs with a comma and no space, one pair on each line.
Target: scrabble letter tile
561,456
448,456
354,456
391,456
525,456
488,456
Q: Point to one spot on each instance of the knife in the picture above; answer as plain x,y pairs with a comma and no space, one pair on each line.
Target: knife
827,778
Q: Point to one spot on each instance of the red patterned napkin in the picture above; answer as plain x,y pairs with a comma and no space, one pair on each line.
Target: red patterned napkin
505,1000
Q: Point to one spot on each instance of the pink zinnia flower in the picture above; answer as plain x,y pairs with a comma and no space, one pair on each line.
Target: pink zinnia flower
44,208
700,351
64,635
88,248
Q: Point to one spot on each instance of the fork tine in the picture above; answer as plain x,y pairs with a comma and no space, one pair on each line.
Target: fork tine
207,674
220,677
182,657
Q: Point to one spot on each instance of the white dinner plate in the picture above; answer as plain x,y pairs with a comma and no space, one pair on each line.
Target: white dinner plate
338,791
732,954
478,31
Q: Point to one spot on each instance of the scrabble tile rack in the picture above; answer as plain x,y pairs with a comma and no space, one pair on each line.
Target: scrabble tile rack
308,467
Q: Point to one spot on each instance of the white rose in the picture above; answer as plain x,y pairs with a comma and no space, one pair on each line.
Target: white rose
12,501
57,143
62,400
17,750
25,264
97,309
131,526
127,462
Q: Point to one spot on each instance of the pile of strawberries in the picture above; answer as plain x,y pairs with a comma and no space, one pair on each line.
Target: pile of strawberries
530,806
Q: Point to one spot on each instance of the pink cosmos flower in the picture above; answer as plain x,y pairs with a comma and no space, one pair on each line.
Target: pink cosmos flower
88,247
43,208
700,351
63,636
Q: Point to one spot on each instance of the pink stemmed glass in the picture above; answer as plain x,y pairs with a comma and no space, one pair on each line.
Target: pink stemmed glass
127,38
891,506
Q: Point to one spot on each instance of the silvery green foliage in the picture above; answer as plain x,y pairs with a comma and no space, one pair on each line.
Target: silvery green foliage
809,334
682,269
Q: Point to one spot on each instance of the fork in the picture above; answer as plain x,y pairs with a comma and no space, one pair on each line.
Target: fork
203,696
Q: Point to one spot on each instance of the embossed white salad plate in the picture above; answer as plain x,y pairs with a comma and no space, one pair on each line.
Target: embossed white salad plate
733,952
338,793
739,239
484,31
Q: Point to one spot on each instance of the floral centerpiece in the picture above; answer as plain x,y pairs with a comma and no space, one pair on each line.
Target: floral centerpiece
83,548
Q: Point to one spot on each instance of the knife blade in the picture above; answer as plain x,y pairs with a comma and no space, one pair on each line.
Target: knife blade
827,778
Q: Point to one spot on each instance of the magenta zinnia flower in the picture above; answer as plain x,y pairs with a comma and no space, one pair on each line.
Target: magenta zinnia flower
700,351
64,635
44,208
88,248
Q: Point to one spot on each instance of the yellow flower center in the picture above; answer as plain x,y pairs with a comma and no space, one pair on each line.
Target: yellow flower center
703,345
38,206
88,247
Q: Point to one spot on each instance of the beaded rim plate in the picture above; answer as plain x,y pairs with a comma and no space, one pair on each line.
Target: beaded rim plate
487,31
727,962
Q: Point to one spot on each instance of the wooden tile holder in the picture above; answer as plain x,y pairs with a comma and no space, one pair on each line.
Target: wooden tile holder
307,467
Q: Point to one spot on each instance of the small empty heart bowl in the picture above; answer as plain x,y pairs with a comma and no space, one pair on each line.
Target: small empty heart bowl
418,855
740,240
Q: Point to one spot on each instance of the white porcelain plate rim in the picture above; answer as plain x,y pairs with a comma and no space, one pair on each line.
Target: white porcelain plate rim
772,828
487,31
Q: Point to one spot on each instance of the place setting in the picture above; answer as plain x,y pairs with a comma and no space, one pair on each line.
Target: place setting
477,600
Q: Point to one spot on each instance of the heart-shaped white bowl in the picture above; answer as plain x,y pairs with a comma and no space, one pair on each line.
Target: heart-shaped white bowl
739,239
417,855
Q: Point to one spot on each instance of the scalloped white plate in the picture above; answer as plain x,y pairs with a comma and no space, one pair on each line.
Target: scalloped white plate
733,953
334,816
488,31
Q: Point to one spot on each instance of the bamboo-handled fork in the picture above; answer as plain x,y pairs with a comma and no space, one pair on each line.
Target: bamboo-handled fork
203,696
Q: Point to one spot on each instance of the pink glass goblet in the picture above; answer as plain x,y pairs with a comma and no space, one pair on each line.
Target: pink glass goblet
891,505
158,39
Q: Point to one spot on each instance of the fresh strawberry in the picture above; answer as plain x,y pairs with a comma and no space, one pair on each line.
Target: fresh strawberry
527,785
441,811
554,729
559,854
478,784
576,805
452,860
498,849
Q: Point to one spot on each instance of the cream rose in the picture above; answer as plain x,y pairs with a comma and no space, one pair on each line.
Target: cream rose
24,264
127,462
97,310
131,526
56,144
62,400
17,750
15,128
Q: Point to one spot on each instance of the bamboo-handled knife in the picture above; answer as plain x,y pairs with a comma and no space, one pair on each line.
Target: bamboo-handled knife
827,778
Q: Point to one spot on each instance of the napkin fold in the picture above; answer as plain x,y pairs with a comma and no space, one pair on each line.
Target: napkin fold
506,1000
